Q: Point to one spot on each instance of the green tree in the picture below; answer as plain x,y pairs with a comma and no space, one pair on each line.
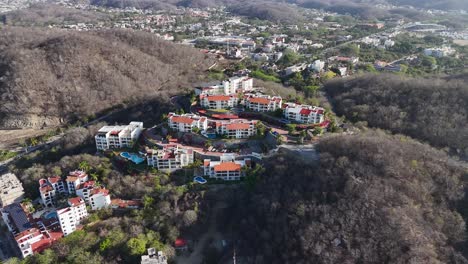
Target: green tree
84,166
137,245
291,128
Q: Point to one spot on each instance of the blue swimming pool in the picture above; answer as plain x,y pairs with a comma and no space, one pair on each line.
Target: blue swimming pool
133,157
51,215
199,179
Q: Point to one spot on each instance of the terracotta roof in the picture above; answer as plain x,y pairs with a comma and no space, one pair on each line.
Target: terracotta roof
71,178
259,100
54,179
75,201
227,166
218,98
237,126
206,163
100,190
305,111
182,119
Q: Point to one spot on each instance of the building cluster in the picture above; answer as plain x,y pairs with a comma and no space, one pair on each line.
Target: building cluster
11,190
305,114
170,158
227,168
439,52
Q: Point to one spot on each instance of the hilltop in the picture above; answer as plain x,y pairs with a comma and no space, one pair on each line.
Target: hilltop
373,198
51,76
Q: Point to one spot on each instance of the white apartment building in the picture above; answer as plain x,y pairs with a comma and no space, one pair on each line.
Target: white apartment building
11,189
84,190
49,189
238,128
231,86
305,114
262,103
218,101
99,199
71,217
112,137
170,158
227,168
187,122
74,180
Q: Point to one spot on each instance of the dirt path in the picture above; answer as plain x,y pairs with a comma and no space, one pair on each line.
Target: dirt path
196,256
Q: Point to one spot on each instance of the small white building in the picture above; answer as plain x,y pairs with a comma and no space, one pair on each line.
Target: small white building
218,101
74,179
113,137
237,128
186,122
304,113
317,65
228,87
227,168
71,216
153,257
262,103
11,189
439,52
99,199
170,158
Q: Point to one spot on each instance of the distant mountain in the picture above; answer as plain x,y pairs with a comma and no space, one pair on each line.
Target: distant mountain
48,77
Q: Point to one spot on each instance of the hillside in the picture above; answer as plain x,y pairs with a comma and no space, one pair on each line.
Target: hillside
373,198
51,76
47,14
433,110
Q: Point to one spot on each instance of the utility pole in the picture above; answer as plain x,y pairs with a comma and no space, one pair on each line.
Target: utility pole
234,256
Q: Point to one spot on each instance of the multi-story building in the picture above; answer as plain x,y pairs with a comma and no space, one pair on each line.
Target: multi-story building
305,114
74,180
227,168
49,189
11,190
71,216
112,137
218,101
233,85
170,158
30,237
187,122
238,128
99,199
262,103
84,190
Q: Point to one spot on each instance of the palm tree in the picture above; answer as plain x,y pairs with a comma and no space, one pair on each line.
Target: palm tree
84,166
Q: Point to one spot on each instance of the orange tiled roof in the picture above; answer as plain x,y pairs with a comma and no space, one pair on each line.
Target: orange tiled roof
259,100
218,98
237,126
75,201
227,166
54,179
182,119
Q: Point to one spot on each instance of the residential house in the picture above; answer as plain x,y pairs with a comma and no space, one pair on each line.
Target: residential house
237,128
170,158
227,168
113,137
187,122
11,189
304,113
71,216
262,103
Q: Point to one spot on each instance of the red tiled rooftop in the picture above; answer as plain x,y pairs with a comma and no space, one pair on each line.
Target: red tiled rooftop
238,126
182,119
259,100
100,190
213,98
305,111
54,179
75,201
227,166
206,163
71,178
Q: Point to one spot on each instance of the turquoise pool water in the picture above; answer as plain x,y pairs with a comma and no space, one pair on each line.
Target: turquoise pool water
133,157
51,215
199,179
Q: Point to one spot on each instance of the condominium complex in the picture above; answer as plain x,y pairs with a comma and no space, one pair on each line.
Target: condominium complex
227,168
262,103
170,158
31,237
49,189
187,122
304,113
11,190
71,216
238,128
218,101
112,137
99,199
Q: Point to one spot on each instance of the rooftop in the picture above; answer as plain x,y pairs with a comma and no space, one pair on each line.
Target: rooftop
227,166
